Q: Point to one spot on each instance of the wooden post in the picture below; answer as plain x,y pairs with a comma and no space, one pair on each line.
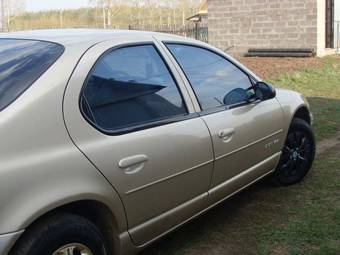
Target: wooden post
196,30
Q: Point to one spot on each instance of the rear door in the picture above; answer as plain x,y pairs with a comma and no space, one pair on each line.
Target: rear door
127,111
247,134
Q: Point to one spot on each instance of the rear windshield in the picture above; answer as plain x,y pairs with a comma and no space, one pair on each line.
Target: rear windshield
22,62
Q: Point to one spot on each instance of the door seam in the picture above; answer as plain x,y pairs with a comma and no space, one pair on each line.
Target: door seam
213,151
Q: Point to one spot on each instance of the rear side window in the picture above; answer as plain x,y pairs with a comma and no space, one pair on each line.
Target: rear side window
130,87
22,62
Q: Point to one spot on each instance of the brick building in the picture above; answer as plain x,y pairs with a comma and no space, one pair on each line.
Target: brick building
273,24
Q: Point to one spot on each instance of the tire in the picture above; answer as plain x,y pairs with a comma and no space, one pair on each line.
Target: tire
297,155
57,231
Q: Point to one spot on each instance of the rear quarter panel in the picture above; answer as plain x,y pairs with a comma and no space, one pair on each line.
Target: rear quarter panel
41,168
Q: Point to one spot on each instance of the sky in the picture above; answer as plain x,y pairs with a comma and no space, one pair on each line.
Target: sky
37,5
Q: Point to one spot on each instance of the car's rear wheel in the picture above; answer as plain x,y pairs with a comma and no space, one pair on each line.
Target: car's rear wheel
297,155
73,249
61,234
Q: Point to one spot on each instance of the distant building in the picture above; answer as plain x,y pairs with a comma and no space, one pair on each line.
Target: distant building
274,24
202,15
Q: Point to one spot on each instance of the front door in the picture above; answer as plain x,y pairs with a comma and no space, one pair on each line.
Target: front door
137,126
247,134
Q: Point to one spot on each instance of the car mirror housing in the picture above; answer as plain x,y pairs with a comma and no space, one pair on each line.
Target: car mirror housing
264,91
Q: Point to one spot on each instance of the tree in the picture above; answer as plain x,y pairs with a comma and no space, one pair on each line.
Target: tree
10,9
3,15
108,8
155,15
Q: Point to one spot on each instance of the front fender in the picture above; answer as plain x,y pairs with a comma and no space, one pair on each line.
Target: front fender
291,102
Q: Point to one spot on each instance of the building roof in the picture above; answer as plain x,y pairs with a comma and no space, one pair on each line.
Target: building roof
203,11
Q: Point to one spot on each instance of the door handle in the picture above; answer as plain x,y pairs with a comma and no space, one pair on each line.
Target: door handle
133,164
226,134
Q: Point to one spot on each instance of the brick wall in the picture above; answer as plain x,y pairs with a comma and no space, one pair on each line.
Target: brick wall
248,24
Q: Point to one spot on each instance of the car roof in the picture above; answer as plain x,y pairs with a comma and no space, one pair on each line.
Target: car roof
74,36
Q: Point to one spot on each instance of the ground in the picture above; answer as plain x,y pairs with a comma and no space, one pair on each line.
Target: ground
302,219
271,68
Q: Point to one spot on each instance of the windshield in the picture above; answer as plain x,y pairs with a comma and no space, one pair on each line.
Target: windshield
22,62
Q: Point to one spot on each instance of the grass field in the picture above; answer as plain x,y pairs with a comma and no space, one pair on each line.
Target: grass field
322,88
299,220
309,215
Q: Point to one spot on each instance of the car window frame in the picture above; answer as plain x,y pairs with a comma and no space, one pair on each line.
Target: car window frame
143,126
221,108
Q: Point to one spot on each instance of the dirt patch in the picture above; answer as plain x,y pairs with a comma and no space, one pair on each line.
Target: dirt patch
327,144
280,251
271,68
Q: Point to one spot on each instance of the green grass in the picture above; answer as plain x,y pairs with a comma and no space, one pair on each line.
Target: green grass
322,88
313,210
312,225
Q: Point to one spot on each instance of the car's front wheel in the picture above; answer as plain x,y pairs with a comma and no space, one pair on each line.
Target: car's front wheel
297,155
61,234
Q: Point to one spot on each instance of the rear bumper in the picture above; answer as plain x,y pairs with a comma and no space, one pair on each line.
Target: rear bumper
7,241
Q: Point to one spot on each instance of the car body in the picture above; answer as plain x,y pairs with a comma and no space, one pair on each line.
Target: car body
140,179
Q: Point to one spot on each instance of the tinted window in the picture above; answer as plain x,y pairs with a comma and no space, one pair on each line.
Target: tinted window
131,86
215,80
21,63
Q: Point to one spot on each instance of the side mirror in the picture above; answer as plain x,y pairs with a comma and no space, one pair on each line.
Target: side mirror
264,91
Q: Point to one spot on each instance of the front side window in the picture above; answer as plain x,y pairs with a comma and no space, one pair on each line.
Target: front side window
21,63
215,81
131,86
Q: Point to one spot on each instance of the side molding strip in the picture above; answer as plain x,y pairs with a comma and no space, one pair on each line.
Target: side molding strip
249,145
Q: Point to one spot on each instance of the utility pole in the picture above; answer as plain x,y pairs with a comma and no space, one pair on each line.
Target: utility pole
3,15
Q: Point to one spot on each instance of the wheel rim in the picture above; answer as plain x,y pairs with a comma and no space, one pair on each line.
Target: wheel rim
73,249
296,155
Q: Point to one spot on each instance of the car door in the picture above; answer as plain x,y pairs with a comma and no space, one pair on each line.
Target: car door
247,133
128,113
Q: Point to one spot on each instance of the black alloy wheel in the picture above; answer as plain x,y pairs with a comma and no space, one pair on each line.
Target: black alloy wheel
297,155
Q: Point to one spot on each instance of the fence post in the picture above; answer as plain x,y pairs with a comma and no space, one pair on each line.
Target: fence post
196,30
